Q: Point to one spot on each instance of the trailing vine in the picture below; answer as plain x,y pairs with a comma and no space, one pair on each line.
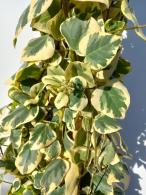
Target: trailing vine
60,135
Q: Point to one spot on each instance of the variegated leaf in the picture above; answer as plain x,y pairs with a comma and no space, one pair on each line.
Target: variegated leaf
105,2
68,118
15,137
23,20
19,116
38,49
72,180
61,100
105,125
77,99
112,100
80,69
74,29
36,176
54,175
37,7
128,13
27,159
42,135
52,151
86,39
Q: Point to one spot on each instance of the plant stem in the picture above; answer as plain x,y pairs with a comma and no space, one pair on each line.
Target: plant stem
136,27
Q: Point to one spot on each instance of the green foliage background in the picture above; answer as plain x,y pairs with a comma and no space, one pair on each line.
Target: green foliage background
60,132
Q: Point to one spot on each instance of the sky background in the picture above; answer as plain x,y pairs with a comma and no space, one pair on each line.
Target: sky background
134,126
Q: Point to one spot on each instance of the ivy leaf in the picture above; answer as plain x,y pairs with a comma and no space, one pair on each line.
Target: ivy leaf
80,69
112,100
36,176
74,29
19,116
27,159
85,38
23,20
15,137
54,174
42,135
37,7
105,125
95,53
52,151
38,49
105,2
28,72
127,12
59,191
68,118
61,100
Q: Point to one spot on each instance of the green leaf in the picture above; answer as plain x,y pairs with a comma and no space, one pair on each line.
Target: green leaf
127,12
105,125
112,100
114,26
4,133
38,49
54,175
123,68
27,159
52,151
19,116
37,7
42,135
15,137
61,100
23,20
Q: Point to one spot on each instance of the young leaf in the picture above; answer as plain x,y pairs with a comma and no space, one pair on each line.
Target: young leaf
38,49
61,100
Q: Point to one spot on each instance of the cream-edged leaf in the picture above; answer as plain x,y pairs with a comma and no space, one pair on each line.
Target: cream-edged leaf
38,49
54,175
27,159
37,7
23,20
15,137
105,2
80,69
52,151
129,14
105,125
74,29
19,116
42,135
97,44
61,100
112,100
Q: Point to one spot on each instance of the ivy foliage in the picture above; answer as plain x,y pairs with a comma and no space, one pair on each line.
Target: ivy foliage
59,135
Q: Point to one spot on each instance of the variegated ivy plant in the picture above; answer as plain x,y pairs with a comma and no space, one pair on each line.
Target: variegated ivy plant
59,135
